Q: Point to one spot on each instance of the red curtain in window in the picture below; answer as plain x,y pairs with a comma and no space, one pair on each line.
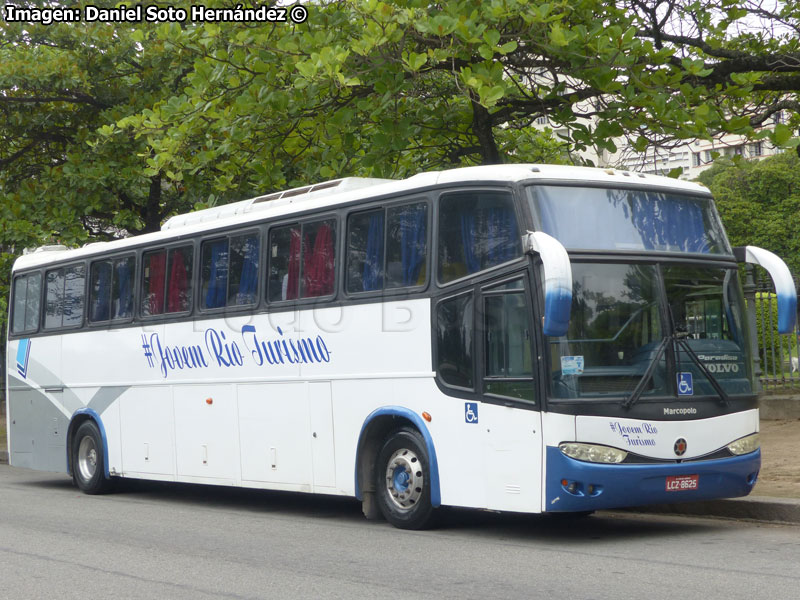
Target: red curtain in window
294,264
178,287
318,265
155,292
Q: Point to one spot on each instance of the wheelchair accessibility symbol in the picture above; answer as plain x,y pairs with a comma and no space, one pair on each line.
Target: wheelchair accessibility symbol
685,387
471,412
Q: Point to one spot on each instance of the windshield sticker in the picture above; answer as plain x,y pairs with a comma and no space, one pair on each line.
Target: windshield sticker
571,365
685,387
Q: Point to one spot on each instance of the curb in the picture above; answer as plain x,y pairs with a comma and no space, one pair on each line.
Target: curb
755,508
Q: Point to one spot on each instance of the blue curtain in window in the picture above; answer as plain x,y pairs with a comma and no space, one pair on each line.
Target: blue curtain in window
469,242
502,235
249,282
218,279
100,308
372,276
123,277
413,240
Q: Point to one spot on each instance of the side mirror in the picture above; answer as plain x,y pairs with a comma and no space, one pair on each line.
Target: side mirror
784,284
557,281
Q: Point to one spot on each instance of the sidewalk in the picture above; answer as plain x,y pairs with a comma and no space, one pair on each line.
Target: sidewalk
776,496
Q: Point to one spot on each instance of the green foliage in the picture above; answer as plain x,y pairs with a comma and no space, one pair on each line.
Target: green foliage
759,203
770,342
68,174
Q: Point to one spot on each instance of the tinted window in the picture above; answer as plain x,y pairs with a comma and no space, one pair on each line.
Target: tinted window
230,271
27,296
622,219
477,230
111,289
167,281
243,280
179,279
154,270
406,245
365,251
302,261
508,368
284,263
319,243
454,333
64,295
387,248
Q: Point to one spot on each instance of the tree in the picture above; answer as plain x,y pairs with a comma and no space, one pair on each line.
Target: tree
759,203
66,173
368,87
63,178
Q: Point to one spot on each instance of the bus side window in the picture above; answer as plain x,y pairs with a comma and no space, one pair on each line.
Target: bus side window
27,297
53,298
179,279
365,251
122,288
154,269
507,332
318,258
477,230
393,256
64,294
406,245
454,341
284,263
243,280
111,289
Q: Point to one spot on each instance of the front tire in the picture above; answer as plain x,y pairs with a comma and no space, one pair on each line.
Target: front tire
88,460
402,477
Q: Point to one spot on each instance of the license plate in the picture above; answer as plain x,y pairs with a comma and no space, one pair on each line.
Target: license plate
682,483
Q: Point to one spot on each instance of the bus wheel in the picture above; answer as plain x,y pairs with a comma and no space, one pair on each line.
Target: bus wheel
403,481
88,462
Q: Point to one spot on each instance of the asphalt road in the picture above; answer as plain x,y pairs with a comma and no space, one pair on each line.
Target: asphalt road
166,541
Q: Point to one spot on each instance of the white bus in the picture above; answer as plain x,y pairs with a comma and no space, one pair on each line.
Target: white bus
516,338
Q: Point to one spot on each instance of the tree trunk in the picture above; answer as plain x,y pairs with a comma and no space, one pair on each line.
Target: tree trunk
152,210
482,128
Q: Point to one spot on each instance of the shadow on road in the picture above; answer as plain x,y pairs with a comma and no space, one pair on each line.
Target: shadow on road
561,528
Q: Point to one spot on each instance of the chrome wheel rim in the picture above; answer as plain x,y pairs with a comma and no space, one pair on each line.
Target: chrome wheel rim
87,458
405,479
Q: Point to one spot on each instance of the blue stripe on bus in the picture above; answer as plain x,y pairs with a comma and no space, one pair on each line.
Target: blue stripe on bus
616,486
399,411
98,421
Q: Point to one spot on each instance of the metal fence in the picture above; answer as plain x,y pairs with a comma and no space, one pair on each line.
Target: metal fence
776,357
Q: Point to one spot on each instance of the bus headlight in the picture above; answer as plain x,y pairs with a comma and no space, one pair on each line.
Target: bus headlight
745,445
592,452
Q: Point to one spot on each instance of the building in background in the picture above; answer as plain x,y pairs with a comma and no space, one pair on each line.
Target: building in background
693,156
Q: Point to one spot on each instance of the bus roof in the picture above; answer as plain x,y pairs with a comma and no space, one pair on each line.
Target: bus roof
330,194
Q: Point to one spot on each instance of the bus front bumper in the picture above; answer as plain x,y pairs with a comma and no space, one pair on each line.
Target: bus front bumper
573,485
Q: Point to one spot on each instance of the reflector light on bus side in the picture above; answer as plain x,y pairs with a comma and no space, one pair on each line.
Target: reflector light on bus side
784,285
557,281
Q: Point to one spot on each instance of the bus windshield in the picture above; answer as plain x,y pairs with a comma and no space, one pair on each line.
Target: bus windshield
593,218
620,317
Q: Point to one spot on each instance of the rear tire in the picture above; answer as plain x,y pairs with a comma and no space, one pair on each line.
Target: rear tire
402,480
88,460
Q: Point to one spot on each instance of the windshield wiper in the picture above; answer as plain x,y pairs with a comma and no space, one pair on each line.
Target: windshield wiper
648,374
723,396
676,338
